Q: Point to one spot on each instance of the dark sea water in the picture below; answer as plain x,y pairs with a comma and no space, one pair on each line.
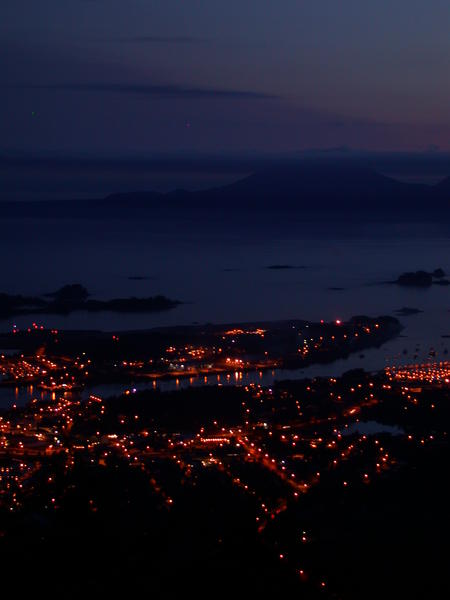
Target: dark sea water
220,273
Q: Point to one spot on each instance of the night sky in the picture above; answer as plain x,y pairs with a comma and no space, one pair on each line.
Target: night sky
108,77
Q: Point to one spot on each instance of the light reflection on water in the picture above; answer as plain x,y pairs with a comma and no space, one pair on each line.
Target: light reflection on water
20,395
373,359
223,278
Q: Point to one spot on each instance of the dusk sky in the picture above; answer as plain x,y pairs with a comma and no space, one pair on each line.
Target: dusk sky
225,298
103,77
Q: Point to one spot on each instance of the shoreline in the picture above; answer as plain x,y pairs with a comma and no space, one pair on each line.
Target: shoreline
183,353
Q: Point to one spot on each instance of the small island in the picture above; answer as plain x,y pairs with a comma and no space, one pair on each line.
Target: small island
140,278
421,278
75,297
406,311
281,267
442,282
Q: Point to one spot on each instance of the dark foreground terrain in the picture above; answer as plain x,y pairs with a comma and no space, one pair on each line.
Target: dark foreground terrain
325,488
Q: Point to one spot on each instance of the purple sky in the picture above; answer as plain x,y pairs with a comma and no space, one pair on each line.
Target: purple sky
119,78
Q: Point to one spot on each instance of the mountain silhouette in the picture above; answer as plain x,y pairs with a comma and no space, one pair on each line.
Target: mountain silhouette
318,187
315,189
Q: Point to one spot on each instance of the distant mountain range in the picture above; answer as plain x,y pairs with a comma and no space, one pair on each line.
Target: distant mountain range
317,190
